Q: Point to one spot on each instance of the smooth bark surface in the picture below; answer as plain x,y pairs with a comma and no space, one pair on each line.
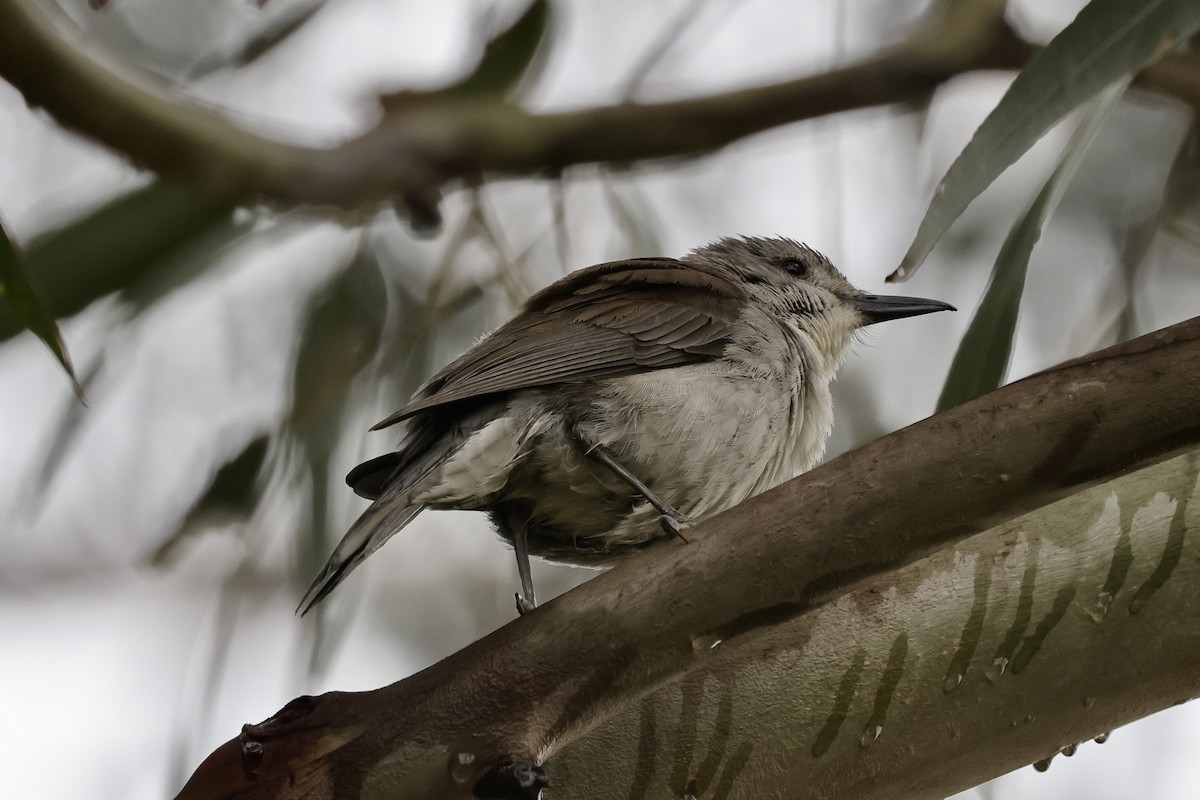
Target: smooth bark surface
983,657
547,680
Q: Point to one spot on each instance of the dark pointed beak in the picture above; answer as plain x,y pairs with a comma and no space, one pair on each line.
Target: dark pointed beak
882,307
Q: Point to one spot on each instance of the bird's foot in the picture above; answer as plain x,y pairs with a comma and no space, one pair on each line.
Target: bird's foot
676,525
524,604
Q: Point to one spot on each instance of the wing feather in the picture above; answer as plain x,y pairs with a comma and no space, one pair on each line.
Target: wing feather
609,319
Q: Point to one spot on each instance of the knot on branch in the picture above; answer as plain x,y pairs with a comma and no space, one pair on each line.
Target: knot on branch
250,739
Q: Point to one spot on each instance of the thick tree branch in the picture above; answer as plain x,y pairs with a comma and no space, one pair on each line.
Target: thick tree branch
540,683
984,657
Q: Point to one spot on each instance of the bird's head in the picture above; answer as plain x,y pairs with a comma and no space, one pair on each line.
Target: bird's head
794,283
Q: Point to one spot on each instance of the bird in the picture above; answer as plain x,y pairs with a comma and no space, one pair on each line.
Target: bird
623,403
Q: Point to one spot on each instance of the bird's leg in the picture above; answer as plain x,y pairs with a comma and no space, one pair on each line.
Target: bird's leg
673,522
526,601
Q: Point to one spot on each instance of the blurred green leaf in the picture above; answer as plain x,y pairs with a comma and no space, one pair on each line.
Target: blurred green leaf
232,489
1115,317
343,328
406,344
342,331
1108,40
1139,238
1181,198
70,420
232,494
983,355
192,258
264,41
176,268
23,300
505,59
117,245
508,56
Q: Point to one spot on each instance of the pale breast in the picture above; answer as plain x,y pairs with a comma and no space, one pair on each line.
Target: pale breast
706,438
702,438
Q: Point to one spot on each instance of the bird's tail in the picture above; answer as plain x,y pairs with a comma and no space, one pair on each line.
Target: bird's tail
386,516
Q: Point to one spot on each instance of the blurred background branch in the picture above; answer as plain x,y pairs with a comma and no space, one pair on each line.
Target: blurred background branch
424,140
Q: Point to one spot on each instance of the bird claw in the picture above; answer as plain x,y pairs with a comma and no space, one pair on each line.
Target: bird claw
676,526
524,605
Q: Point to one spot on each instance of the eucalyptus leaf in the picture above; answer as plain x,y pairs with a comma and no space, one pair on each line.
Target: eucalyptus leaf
508,56
273,34
341,335
25,305
342,332
983,355
1108,40
1115,318
401,363
117,245
65,430
1181,197
175,268
232,493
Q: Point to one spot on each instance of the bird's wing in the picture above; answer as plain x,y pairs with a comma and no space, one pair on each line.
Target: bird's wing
604,320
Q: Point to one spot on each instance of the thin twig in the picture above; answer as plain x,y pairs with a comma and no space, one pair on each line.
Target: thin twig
668,38
447,268
508,268
558,201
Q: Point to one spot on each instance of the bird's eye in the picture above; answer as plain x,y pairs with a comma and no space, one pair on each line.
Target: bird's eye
795,266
